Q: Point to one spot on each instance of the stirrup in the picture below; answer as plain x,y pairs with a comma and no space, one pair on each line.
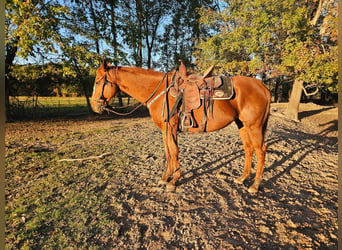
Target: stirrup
183,120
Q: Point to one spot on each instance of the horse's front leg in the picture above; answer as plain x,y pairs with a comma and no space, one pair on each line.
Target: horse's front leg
171,154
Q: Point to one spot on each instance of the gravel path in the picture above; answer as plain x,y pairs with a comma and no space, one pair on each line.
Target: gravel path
296,207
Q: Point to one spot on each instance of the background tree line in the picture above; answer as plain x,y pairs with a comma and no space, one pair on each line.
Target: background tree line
296,39
292,38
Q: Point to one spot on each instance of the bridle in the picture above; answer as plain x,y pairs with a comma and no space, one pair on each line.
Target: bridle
110,109
101,97
106,81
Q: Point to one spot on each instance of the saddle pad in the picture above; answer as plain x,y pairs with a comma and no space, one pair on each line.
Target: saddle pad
225,91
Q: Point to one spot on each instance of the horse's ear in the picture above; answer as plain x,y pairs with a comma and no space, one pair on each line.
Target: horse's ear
182,69
105,65
208,72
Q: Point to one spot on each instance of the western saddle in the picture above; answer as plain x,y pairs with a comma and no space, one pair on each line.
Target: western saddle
193,91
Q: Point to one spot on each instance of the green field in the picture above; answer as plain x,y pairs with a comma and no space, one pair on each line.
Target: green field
25,107
51,100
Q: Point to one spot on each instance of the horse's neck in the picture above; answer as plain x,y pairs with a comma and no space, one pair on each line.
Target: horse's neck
138,84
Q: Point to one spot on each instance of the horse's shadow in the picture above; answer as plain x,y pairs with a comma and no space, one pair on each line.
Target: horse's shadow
304,150
209,168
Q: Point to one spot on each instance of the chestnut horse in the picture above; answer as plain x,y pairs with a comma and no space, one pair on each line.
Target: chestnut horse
249,109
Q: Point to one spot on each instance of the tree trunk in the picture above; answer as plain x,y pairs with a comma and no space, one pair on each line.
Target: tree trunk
11,51
276,87
138,6
79,77
114,42
90,110
149,54
293,105
93,15
114,31
7,100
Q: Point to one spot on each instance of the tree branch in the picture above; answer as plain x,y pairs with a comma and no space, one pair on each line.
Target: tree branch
312,93
314,20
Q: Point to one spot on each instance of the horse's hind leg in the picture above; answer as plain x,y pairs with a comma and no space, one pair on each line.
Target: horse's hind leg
248,147
253,141
257,137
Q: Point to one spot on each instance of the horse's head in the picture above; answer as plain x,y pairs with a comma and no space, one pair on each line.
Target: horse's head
105,87
183,76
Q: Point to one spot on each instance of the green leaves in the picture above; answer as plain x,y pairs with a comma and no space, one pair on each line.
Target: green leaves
234,35
33,23
277,34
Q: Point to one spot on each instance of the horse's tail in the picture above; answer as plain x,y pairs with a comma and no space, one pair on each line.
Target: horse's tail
267,113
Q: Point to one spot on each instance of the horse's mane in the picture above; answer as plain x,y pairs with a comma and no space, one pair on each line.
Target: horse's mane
137,70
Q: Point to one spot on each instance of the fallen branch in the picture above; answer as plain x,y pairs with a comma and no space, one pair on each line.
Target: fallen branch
87,158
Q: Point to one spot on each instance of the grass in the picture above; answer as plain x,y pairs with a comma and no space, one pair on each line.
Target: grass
51,100
61,205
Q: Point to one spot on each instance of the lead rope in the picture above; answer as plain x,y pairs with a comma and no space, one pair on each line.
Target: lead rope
166,104
122,114
167,120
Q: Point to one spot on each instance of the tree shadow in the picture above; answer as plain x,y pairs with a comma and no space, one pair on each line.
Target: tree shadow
141,112
310,144
270,182
304,114
333,127
298,200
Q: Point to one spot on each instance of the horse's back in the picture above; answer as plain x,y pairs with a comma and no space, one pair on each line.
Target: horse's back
250,87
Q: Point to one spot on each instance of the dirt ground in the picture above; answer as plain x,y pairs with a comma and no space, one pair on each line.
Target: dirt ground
296,207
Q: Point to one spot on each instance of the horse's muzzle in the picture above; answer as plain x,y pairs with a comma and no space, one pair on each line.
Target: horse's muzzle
97,105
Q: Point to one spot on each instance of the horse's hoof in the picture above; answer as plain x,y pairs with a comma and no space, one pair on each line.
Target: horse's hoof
162,183
239,180
253,189
170,188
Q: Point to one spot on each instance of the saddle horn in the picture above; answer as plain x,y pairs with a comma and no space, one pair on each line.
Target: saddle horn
182,69
208,71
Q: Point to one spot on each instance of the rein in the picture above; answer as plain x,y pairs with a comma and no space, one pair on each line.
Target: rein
111,109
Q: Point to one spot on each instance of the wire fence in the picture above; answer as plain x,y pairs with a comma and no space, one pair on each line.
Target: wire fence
37,107
24,107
